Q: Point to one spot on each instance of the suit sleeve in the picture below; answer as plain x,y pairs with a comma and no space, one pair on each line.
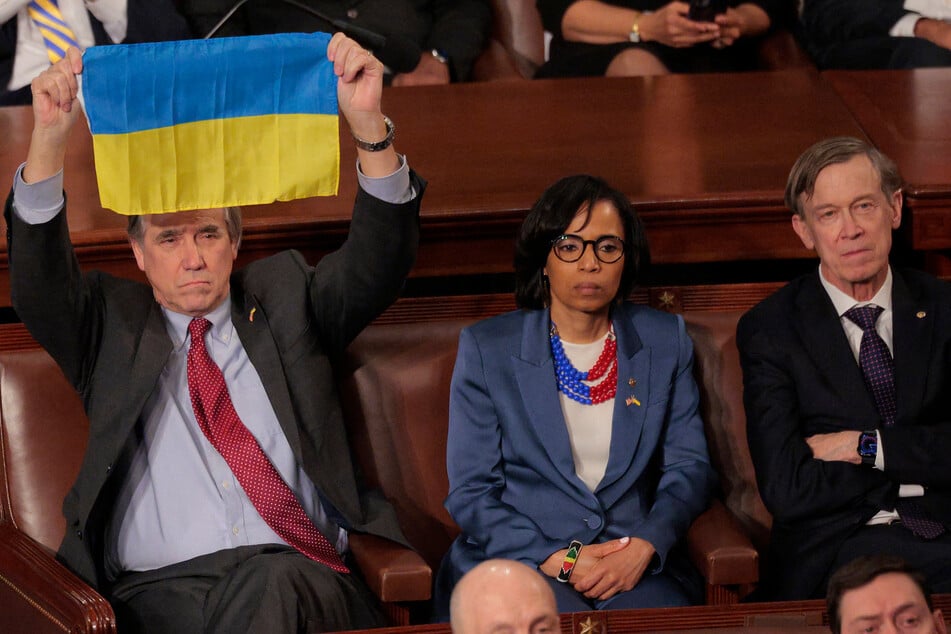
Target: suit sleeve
830,21
353,285
476,471
50,295
794,486
459,29
687,479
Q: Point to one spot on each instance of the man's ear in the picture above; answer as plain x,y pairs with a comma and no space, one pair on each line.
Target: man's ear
939,625
137,251
896,208
803,231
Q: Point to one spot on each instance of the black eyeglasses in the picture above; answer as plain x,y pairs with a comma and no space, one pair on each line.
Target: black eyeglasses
570,248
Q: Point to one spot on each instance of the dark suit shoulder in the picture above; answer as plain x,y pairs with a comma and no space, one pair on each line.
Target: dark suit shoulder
776,309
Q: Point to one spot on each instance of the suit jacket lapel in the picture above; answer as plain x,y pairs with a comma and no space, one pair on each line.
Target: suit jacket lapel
535,374
149,359
824,340
256,337
912,328
633,375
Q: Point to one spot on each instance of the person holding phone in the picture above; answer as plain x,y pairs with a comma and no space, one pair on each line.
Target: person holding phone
653,37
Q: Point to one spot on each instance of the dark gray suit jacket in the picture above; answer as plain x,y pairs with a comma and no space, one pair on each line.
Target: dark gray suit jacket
109,337
800,378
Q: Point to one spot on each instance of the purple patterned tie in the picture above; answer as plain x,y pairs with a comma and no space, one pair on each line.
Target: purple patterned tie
875,361
879,371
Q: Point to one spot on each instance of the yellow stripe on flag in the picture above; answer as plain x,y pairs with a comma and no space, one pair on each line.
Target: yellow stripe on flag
136,169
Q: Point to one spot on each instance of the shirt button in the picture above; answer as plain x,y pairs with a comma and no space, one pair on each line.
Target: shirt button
353,14
235,530
225,485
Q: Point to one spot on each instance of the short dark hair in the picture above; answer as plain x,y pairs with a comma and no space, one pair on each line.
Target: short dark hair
840,149
551,216
135,229
862,571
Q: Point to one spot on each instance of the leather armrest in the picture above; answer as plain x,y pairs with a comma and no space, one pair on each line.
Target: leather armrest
38,594
495,63
393,571
779,50
720,550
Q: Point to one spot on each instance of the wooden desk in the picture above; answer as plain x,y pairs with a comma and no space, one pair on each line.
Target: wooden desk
907,114
703,157
781,617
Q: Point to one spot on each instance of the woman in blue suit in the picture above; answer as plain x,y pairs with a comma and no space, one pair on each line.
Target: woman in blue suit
575,442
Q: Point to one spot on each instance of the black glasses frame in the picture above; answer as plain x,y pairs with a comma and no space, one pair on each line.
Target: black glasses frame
584,245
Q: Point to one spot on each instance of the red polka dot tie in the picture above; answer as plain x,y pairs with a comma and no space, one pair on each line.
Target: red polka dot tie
270,495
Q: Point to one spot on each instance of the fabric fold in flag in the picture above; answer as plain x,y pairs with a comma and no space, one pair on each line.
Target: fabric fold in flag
202,124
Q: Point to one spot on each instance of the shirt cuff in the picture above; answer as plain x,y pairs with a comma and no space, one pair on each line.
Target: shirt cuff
905,27
39,202
394,188
879,452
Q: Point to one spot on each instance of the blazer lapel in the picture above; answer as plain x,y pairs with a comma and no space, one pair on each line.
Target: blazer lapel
630,403
912,328
251,322
535,374
149,359
824,340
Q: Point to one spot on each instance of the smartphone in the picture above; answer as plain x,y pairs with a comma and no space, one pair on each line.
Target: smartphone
706,10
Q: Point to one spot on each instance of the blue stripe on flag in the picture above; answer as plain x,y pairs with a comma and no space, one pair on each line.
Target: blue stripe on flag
134,87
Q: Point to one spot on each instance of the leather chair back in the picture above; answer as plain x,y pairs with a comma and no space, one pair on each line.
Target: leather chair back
43,433
718,373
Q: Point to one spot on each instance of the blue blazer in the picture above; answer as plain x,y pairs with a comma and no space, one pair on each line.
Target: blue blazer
513,489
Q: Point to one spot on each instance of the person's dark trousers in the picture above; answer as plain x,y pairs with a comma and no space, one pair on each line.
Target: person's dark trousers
21,97
932,557
268,588
881,53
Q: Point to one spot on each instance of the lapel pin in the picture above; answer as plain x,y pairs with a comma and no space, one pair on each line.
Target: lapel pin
920,314
632,401
632,382
251,314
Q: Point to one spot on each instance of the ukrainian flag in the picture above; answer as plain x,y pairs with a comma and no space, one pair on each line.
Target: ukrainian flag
212,123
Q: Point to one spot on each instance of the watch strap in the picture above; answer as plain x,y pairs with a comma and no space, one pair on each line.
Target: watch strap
376,146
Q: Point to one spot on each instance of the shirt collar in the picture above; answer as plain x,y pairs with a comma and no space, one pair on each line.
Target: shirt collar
220,318
843,302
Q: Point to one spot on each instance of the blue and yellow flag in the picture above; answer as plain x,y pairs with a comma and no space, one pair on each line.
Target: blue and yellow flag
212,123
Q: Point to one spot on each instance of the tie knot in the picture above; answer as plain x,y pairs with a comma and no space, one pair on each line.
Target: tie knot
864,316
198,327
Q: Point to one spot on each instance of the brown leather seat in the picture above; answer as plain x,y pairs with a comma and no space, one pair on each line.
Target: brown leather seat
394,385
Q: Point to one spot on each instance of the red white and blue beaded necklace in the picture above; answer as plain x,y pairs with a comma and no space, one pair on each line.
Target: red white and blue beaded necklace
570,379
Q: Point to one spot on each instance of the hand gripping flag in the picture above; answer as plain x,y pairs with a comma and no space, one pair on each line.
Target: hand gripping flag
202,124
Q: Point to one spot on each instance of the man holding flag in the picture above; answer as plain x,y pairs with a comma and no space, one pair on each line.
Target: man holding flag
217,491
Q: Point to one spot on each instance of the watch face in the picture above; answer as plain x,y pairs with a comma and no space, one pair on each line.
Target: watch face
868,445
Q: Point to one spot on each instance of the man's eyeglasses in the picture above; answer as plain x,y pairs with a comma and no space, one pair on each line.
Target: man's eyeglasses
570,248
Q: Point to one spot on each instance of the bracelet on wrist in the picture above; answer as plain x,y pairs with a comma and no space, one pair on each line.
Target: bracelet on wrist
376,146
568,565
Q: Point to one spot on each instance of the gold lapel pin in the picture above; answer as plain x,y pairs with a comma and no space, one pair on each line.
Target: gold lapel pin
632,382
632,401
920,314
251,314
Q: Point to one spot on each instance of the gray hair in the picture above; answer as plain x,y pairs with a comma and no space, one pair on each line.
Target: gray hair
803,175
136,230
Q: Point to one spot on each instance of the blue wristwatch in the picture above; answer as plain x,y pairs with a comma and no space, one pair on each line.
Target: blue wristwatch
868,447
